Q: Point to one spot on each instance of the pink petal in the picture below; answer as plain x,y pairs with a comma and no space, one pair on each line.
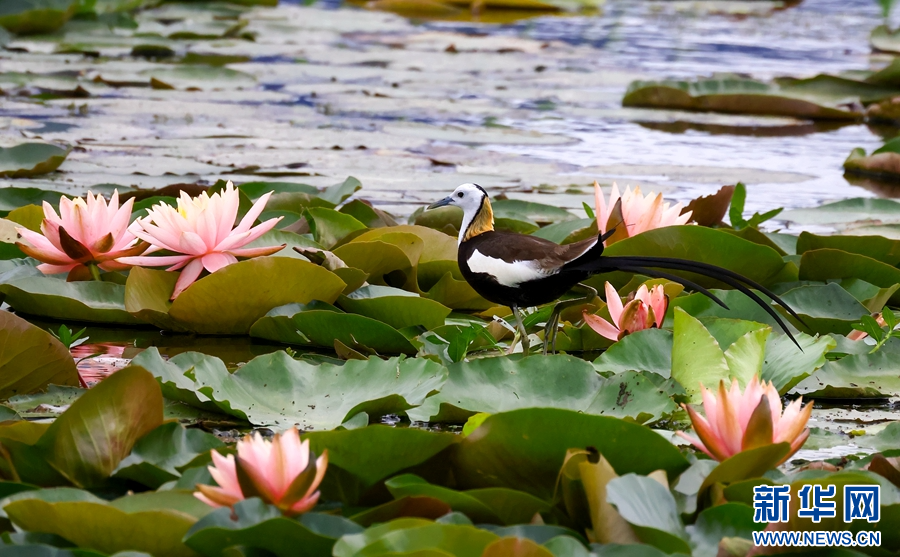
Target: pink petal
255,252
225,474
187,277
613,303
215,261
601,326
154,261
237,240
49,269
192,243
253,214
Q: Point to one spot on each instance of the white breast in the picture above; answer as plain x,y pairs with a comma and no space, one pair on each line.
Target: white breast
507,274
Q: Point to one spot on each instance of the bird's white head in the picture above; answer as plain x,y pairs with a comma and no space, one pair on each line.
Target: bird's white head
477,214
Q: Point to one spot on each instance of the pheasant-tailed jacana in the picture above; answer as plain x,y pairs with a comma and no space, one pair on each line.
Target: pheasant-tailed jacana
520,271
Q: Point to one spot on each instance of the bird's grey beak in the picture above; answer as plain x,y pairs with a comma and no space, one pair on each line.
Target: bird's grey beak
442,203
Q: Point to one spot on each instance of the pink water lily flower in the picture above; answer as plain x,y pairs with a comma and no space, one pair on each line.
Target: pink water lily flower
639,212
738,421
200,231
282,472
646,310
87,234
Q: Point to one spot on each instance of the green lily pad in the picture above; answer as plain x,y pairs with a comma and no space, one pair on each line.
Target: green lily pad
491,505
539,213
524,449
276,390
30,159
255,190
856,376
359,460
230,300
398,308
650,509
495,385
811,99
699,359
785,365
417,537
825,308
159,456
708,245
847,211
329,226
378,258
565,232
824,264
25,17
91,301
13,198
338,193
103,527
31,358
202,76
647,350
730,520
739,307
635,396
259,526
89,440
876,247
325,327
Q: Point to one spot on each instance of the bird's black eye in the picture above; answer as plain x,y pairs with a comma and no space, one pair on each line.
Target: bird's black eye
460,194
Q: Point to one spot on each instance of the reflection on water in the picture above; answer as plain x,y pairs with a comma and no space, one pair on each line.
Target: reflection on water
689,39
97,361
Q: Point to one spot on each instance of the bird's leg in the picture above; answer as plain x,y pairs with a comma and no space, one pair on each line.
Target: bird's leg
523,334
552,326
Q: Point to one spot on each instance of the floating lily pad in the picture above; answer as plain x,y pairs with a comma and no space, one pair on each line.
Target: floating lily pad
276,390
495,385
417,537
737,95
158,456
877,247
395,307
105,528
12,198
491,505
524,449
856,376
651,510
31,358
329,226
824,264
24,17
647,350
361,459
92,301
89,440
847,211
30,159
696,243
530,211
826,308
324,327
230,300
254,524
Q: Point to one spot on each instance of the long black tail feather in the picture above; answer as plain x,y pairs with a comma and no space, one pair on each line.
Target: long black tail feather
735,280
655,273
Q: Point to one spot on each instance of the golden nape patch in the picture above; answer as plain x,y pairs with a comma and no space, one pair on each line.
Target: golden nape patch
483,221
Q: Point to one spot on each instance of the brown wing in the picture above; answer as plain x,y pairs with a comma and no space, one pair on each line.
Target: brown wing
519,247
